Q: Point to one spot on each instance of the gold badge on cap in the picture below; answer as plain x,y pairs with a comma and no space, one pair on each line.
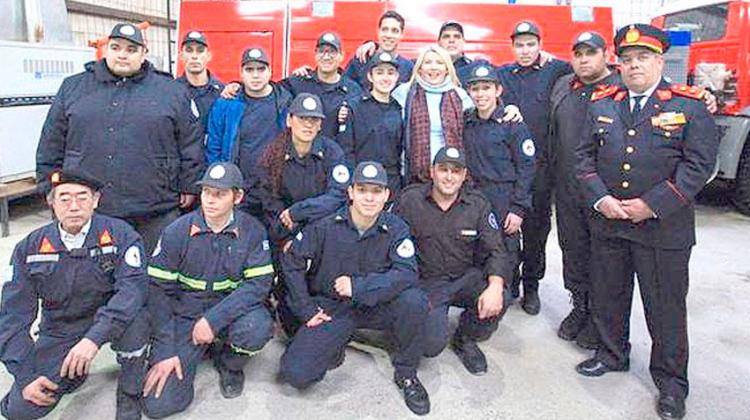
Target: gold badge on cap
55,178
632,35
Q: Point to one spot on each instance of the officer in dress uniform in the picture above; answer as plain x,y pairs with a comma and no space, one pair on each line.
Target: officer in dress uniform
571,97
528,83
461,258
355,269
374,126
210,276
204,88
132,127
88,272
648,148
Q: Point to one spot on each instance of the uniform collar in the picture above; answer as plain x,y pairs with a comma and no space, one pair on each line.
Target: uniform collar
648,92
104,74
473,116
344,215
198,225
213,83
461,60
317,149
535,66
428,195
367,97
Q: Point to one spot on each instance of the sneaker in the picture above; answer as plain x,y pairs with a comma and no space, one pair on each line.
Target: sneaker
231,382
415,395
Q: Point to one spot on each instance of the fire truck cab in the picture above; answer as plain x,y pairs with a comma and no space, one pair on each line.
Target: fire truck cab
719,60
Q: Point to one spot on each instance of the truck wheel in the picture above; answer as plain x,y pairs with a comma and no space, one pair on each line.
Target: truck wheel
741,196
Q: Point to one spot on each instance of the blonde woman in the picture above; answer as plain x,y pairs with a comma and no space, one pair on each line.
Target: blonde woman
433,105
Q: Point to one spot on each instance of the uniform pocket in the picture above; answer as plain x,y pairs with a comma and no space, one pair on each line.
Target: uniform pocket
53,289
167,168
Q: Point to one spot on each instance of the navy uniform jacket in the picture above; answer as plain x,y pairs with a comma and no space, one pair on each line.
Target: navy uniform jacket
570,103
500,158
374,131
357,71
664,156
463,67
312,187
203,96
530,89
450,242
93,292
137,134
380,262
331,95
199,273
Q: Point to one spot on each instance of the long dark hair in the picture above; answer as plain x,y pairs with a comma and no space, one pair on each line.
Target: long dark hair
274,158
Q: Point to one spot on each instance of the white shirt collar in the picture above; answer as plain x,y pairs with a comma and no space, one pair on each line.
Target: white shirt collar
72,241
647,94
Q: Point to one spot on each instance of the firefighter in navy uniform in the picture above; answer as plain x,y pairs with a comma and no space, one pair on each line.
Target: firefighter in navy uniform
528,83
204,88
88,272
500,155
461,258
374,126
210,276
648,148
451,37
570,101
130,126
355,269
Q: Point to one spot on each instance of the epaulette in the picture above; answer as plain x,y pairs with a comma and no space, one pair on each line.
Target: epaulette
604,91
692,92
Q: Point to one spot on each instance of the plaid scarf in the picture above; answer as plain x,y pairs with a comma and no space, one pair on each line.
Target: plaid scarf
452,116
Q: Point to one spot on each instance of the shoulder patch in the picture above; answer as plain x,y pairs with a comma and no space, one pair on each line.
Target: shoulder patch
6,275
692,92
528,147
133,257
604,91
341,174
664,94
405,249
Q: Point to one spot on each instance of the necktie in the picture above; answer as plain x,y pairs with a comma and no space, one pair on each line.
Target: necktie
637,104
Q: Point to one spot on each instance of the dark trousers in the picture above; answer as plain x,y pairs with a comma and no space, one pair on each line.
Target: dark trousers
463,292
47,358
150,227
534,232
313,350
574,237
663,283
242,338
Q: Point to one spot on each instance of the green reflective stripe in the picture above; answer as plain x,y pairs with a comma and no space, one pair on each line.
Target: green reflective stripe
226,284
258,271
240,350
193,283
161,274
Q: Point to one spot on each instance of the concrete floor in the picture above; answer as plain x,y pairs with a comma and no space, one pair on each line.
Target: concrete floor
531,372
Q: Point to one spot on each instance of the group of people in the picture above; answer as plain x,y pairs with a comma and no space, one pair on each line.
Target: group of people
190,216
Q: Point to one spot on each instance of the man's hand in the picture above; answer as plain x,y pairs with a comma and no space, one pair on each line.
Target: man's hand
637,210
490,302
611,208
545,57
286,219
302,71
157,376
343,113
230,90
187,200
711,104
343,286
79,359
512,223
202,333
40,392
512,114
318,319
365,51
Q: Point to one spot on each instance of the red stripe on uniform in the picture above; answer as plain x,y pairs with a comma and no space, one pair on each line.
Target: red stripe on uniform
677,192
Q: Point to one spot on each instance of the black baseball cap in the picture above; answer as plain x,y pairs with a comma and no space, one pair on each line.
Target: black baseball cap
382,58
450,155
590,39
223,175
306,105
370,172
75,176
329,38
255,55
451,24
482,72
195,36
129,32
525,28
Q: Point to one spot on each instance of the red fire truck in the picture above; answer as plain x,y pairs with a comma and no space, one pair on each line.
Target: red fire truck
719,59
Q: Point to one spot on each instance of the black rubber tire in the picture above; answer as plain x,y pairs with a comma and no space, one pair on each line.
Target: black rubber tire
741,193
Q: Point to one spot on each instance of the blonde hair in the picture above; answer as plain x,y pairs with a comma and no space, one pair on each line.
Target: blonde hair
444,55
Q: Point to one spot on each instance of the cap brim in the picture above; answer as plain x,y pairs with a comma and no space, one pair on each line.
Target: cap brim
217,184
370,182
588,44
256,60
329,43
142,44
308,114
195,41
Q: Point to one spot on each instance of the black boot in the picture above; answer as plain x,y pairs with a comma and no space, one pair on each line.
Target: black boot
530,303
231,382
129,388
572,325
339,360
588,337
470,355
415,395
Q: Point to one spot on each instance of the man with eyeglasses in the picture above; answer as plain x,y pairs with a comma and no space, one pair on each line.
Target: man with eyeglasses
647,149
87,271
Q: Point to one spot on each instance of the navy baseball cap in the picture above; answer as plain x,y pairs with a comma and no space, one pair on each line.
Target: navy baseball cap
370,172
306,105
255,55
451,24
129,32
450,155
482,72
75,176
223,175
525,28
589,39
195,36
382,58
329,38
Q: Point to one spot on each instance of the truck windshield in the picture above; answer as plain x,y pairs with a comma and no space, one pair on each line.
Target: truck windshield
706,23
